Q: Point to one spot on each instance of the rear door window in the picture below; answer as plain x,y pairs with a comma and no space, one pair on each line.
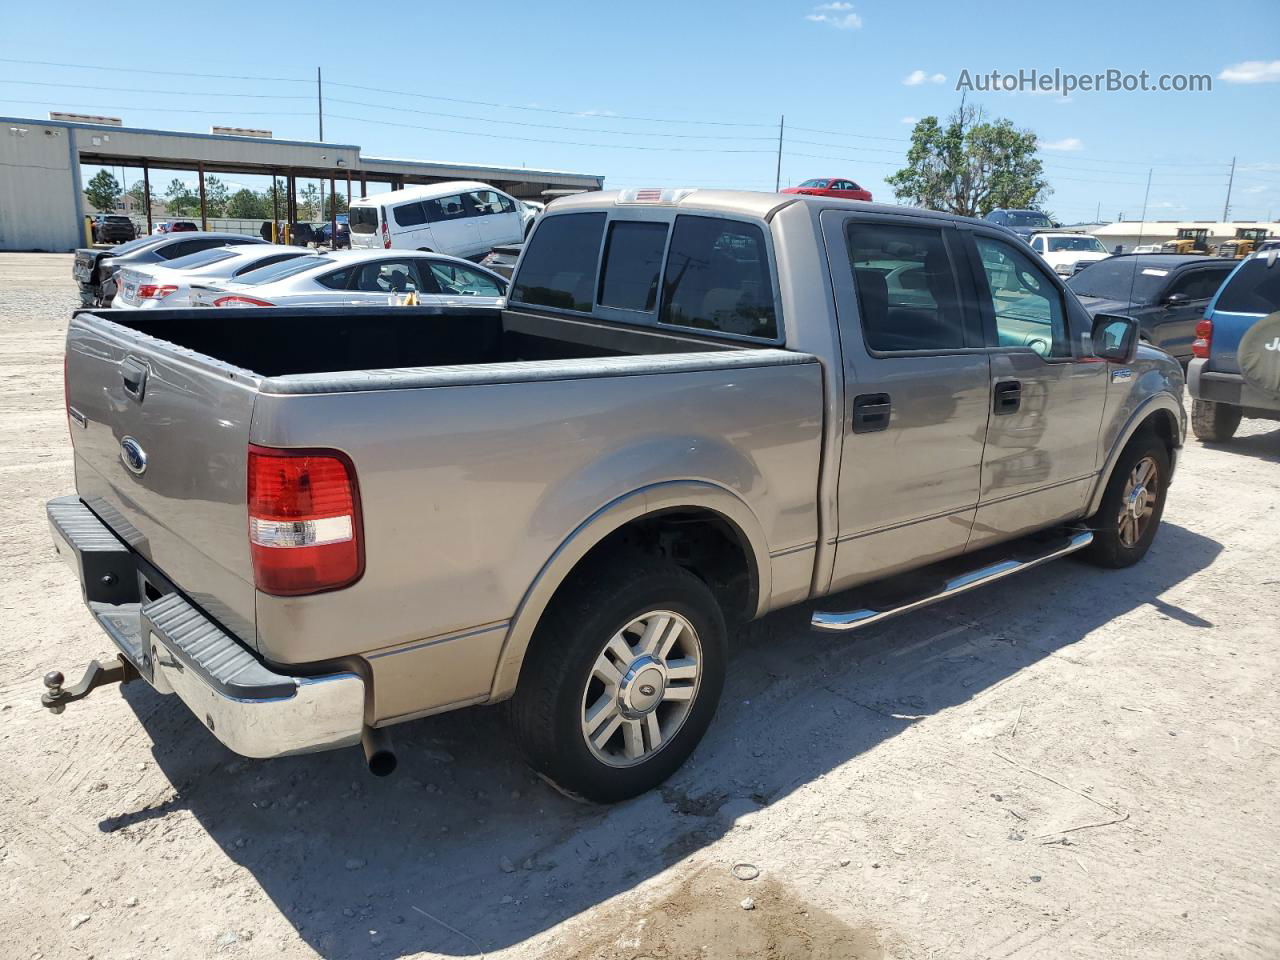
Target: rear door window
1255,287
409,215
906,285
718,278
387,276
363,219
445,208
559,266
632,262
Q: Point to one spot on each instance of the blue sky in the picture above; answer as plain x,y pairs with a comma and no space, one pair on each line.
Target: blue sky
666,93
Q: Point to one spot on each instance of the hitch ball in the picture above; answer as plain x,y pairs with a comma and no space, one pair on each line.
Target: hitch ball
53,681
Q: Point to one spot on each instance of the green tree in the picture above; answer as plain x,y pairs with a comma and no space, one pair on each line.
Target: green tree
215,196
334,203
103,191
180,199
309,203
970,165
248,205
137,195
280,202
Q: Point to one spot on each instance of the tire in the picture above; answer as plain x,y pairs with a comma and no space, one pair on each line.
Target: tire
561,688
1214,422
1114,542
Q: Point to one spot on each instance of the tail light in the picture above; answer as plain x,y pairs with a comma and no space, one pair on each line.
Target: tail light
239,300
1204,339
386,233
151,291
304,521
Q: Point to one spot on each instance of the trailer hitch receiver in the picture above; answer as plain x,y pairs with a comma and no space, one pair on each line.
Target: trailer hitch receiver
56,697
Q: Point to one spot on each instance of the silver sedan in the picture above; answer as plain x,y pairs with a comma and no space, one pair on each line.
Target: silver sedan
359,277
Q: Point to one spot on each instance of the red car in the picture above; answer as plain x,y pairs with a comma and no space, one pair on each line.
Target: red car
831,187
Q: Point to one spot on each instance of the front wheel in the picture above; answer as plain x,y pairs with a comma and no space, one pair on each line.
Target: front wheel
1132,505
1214,422
621,680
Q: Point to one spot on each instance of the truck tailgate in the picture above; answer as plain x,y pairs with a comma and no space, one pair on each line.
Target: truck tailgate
161,448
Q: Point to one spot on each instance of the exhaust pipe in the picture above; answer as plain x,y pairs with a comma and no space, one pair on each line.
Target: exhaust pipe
378,752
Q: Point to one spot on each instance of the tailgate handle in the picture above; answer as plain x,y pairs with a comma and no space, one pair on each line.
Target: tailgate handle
133,373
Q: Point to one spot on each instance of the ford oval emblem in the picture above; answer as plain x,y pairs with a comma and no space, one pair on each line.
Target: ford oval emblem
133,456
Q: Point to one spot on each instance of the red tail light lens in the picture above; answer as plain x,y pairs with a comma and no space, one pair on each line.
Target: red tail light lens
304,521
386,233
151,291
241,301
1204,339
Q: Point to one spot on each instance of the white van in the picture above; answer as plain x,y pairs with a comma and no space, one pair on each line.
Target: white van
462,218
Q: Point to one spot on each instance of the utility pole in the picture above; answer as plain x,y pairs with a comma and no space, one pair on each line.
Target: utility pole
777,177
320,103
1226,207
1097,217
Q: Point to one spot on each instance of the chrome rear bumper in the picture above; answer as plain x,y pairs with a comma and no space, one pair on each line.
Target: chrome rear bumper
254,710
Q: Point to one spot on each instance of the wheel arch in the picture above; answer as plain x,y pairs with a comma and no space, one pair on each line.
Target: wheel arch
641,511
1161,413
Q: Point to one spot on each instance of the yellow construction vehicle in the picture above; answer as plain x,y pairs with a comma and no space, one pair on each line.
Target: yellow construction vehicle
1189,240
1247,240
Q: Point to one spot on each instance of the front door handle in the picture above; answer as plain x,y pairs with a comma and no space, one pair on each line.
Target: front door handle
1008,397
871,412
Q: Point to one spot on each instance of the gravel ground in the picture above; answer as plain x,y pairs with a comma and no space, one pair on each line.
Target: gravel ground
1071,764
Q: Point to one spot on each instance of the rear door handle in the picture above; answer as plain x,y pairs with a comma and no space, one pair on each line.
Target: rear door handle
871,412
1008,397
133,373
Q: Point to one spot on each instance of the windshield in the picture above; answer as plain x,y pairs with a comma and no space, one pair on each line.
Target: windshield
202,258
1086,244
1113,279
1027,218
363,219
1254,288
286,268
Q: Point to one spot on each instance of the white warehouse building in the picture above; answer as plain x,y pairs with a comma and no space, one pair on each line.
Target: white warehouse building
42,204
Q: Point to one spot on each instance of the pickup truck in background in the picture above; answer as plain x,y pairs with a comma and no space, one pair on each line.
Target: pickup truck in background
1235,372
698,407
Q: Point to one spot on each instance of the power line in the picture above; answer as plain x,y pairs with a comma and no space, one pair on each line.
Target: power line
161,73
167,93
243,113
563,143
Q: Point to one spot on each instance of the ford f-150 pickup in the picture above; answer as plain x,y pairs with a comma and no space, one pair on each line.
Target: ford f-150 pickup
697,407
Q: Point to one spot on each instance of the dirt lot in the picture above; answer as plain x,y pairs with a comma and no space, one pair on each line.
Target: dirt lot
1071,764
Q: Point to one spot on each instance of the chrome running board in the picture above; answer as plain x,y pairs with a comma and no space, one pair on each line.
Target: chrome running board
853,619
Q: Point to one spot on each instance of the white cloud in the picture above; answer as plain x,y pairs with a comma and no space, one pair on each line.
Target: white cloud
910,120
1252,71
838,15
918,78
1065,145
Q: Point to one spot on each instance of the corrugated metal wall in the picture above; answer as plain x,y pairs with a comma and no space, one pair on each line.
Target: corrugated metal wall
39,189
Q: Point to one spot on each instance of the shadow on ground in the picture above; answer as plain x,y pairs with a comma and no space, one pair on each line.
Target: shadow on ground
1260,446
463,850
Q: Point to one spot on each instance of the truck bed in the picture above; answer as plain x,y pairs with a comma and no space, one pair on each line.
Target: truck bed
480,440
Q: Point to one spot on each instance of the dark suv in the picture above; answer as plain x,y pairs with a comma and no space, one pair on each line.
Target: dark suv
111,228
1022,222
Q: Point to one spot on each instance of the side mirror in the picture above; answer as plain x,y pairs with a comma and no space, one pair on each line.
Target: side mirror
1174,299
1057,225
1115,338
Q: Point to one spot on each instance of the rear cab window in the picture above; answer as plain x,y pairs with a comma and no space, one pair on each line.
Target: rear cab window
704,273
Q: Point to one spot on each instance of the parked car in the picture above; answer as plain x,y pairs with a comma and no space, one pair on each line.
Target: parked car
1068,253
1166,293
161,226
697,408
1024,223
95,270
325,234
354,277
462,218
168,283
503,259
1146,248
831,187
1236,370
110,228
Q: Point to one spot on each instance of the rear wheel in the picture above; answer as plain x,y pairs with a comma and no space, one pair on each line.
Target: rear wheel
1132,505
621,680
1214,422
